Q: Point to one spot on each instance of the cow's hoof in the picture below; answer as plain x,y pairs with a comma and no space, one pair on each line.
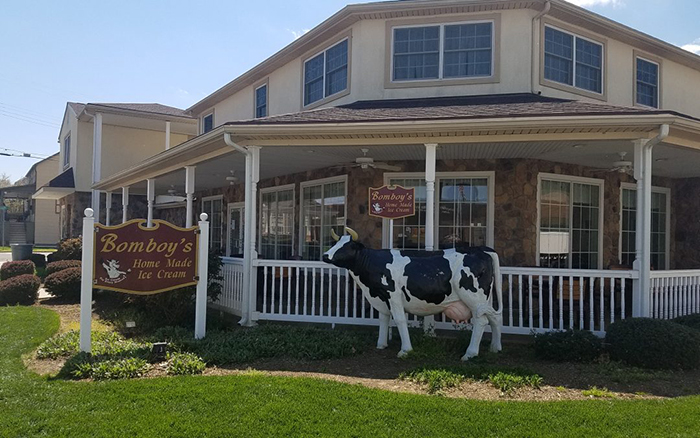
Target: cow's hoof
496,348
381,346
468,356
403,353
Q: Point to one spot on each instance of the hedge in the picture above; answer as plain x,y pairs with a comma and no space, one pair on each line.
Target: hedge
60,265
16,268
692,321
64,284
23,289
654,343
568,346
70,249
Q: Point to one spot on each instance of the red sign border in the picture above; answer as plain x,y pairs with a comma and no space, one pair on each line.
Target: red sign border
390,187
142,225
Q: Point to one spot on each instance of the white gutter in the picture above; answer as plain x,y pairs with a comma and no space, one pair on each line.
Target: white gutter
249,287
536,47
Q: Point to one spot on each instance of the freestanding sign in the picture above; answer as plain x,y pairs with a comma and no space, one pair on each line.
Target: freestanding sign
392,202
136,259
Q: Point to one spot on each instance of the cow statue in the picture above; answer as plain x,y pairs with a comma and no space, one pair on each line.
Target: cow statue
458,282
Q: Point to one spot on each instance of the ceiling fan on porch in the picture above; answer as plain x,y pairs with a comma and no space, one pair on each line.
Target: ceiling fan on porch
232,178
364,162
621,166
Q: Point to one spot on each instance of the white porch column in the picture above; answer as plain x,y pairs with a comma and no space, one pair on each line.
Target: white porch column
255,179
430,152
151,196
641,305
246,317
430,155
167,135
96,162
189,192
125,204
108,209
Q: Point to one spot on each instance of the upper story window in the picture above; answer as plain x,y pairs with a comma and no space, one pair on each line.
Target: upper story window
261,101
573,60
207,123
326,74
66,151
647,83
447,51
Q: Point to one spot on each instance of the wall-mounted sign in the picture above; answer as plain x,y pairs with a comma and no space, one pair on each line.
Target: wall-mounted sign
392,202
134,259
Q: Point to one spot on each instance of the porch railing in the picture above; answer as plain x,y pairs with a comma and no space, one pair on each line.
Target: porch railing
534,299
231,298
675,293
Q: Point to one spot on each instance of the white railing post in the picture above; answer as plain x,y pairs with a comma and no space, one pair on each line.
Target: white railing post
108,209
86,281
200,320
151,196
125,204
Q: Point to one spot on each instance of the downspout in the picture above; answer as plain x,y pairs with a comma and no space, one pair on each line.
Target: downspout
536,38
248,253
643,173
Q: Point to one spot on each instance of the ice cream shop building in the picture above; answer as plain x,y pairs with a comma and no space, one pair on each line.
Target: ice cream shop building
568,142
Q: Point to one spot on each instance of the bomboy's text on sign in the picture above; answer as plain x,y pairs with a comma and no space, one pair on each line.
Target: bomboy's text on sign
134,259
392,202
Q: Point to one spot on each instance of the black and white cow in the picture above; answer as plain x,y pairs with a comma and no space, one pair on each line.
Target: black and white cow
457,282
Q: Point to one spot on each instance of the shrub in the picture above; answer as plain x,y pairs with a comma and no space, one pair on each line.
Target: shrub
180,364
568,346
16,268
505,379
39,260
60,265
70,249
125,368
103,344
654,343
64,284
23,290
692,321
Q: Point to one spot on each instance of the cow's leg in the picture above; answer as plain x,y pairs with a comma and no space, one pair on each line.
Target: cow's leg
478,326
383,341
397,311
495,321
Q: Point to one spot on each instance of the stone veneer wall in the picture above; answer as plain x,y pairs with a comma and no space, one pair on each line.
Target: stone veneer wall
77,202
515,219
685,201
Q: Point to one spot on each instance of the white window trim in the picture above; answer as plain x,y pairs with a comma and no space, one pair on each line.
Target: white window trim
655,189
267,101
201,121
318,182
490,176
601,209
232,206
215,198
283,188
658,82
303,77
66,151
575,35
441,54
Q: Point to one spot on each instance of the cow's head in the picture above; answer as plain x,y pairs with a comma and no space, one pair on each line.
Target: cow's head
344,252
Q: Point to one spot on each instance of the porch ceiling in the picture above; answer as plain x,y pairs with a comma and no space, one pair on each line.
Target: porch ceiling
675,162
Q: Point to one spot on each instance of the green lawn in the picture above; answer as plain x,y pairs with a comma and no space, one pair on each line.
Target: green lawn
8,249
271,406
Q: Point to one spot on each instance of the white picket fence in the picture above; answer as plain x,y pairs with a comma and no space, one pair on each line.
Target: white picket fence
675,293
534,299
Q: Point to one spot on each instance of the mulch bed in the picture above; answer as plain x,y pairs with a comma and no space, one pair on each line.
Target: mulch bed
380,369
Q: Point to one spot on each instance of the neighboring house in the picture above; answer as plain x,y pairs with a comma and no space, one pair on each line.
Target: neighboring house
99,139
37,221
565,140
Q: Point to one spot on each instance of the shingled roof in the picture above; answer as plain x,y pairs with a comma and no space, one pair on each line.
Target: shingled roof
153,108
446,108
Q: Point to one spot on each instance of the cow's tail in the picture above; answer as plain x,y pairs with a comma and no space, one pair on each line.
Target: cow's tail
498,280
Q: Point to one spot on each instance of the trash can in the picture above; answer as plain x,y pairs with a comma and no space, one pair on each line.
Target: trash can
22,251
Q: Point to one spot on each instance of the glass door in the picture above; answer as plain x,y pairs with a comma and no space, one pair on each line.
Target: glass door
234,248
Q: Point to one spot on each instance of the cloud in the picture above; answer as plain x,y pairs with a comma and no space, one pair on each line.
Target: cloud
297,33
693,47
587,3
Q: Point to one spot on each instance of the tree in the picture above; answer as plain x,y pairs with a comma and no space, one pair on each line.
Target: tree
5,180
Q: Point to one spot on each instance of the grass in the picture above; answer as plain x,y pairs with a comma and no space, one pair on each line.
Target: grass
9,249
595,392
258,405
506,380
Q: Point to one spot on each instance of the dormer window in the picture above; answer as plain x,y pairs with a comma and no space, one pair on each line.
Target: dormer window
66,152
446,51
207,123
326,74
647,83
573,60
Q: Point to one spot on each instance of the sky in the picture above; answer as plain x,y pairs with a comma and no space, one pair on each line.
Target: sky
176,52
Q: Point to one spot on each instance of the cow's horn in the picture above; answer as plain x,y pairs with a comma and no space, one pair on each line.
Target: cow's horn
352,233
334,235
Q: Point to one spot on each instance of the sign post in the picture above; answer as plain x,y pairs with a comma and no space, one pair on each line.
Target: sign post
135,259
